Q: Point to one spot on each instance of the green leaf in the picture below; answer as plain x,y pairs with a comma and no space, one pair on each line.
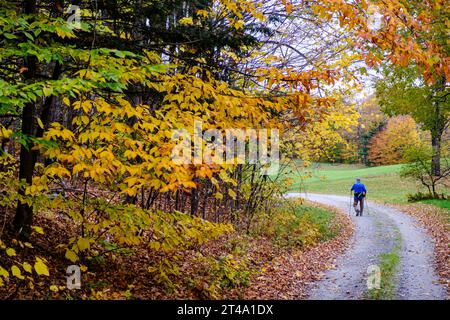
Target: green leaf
29,36
10,36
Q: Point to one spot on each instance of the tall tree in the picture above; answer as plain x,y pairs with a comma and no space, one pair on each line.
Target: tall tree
406,33
24,213
403,91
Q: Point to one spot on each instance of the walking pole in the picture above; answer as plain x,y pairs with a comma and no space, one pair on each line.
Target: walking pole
350,205
367,206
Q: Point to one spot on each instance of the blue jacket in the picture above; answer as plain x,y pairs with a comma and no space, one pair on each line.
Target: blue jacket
359,187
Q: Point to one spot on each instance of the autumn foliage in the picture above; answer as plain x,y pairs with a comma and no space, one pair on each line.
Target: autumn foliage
390,145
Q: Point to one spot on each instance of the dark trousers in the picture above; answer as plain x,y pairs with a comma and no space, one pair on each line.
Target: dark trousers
360,199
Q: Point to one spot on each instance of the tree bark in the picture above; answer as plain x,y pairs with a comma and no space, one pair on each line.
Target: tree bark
438,128
194,199
436,158
24,212
28,157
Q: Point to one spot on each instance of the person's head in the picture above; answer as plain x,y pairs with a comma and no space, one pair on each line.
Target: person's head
358,180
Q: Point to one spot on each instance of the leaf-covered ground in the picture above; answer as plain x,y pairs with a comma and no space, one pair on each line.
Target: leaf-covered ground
437,223
276,262
288,274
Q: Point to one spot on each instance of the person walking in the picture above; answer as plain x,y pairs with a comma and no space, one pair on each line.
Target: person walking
359,193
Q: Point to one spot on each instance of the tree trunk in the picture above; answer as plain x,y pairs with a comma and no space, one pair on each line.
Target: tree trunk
24,212
438,128
194,199
436,159
433,187
238,188
28,157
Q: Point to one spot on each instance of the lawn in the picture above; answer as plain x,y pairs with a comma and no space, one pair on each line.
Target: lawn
383,183
440,203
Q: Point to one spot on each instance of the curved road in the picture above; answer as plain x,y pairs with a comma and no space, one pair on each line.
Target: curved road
379,231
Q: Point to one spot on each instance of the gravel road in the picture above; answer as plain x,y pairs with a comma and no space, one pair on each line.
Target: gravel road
379,231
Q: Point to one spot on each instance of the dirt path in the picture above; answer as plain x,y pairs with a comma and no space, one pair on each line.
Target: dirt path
380,231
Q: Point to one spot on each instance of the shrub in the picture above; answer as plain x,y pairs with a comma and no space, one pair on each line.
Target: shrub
298,225
419,167
419,196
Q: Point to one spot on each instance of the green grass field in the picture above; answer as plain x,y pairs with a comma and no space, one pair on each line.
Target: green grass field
383,183
440,203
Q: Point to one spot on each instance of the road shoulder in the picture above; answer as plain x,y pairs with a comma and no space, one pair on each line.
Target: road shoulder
436,222
289,276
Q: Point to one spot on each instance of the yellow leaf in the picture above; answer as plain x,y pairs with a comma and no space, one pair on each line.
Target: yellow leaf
41,268
232,193
72,256
3,272
187,21
155,245
5,133
54,288
39,121
83,244
63,33
47,91
202,13
10,252
215,182
16,272
239,25
131,192
131,181
27,267
86,105
28,245
38,229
